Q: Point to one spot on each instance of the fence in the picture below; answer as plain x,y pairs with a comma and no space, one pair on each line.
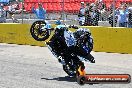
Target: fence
97,12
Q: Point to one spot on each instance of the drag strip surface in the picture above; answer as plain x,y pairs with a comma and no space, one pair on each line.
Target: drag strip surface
23,66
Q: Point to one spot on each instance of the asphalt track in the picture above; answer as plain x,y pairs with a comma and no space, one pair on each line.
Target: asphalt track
23,66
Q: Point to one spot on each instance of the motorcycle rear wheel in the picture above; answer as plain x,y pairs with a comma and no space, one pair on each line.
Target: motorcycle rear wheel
69,70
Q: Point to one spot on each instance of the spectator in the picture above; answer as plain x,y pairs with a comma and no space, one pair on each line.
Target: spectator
95,16
2,14
58,22
104,13
11,10
130,17
81,14
40,12
88,20
123,14
110,19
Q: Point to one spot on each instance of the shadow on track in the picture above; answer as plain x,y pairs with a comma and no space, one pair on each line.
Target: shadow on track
66,78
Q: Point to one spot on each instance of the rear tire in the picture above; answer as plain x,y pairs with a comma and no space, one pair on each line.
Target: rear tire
73,71
69,71
81,80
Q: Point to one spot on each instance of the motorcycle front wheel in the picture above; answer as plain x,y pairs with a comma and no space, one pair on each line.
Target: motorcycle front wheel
36,31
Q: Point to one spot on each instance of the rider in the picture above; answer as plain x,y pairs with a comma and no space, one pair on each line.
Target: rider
79,42
84,43
81,14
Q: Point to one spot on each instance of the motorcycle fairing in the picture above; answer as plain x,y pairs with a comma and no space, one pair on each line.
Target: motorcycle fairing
69,38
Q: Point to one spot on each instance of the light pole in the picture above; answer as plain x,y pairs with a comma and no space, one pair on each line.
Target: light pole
22,10
113,13
63,11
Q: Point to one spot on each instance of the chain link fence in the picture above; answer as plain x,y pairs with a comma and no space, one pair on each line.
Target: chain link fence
115,13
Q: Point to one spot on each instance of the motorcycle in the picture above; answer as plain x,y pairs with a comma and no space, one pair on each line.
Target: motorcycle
61,43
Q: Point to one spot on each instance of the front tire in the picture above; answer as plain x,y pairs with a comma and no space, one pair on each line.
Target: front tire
36,31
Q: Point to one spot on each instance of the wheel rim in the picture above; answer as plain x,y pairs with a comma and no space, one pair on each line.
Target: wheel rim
36,29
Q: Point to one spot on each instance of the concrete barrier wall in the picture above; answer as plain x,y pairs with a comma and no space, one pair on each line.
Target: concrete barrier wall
106,39
17,34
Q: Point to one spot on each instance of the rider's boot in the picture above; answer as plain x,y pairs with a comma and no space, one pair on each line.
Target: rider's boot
91,58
